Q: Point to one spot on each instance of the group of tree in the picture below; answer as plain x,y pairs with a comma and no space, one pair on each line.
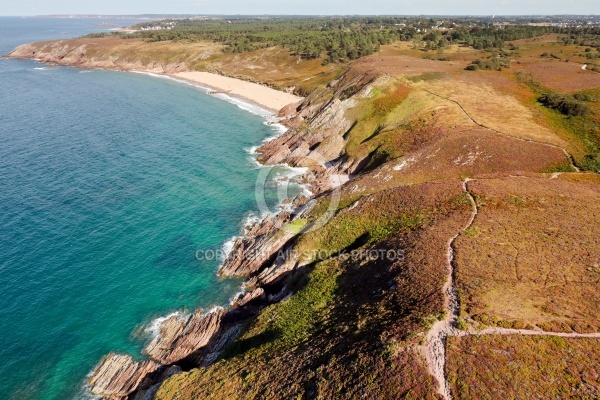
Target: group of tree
494,63
340,39
565,103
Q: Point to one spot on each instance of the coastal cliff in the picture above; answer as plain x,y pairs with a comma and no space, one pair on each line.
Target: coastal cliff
356,290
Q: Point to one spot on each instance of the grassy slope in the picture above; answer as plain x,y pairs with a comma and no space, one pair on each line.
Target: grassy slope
351,329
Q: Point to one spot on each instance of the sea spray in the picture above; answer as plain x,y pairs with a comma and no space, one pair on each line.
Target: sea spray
153,328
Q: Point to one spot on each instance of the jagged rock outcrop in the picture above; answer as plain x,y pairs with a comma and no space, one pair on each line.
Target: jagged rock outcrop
319,124
318,142
181,336
250,254
316,139
264,242
243,298
118,375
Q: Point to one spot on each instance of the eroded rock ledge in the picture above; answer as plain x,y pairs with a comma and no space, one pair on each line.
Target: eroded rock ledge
315,140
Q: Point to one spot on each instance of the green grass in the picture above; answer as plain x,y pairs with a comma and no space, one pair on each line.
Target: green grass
583,129
295,226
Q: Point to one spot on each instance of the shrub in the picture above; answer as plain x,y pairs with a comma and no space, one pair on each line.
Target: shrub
493,64
566,104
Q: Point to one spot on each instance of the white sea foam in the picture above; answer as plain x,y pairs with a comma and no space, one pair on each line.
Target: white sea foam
250,220
235,296
153,329
227,247
214,310
85,394
273,122
251,150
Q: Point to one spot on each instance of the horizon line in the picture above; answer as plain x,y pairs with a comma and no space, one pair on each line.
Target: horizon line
67,15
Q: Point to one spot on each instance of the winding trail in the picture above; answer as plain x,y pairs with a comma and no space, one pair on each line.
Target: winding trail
569,156
435,345
530,332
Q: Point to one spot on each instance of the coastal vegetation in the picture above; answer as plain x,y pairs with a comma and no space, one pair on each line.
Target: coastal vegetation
566,104
350,329
507,275
461,145
523,367
347,38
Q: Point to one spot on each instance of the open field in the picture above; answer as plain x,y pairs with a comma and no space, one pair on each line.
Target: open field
523,367
531,258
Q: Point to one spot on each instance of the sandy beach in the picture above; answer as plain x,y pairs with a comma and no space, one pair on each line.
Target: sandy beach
264,96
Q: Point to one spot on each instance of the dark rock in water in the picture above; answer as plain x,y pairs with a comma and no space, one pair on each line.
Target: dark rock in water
244,298
117,376
180,337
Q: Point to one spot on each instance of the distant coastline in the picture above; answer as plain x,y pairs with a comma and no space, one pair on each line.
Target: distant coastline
262,95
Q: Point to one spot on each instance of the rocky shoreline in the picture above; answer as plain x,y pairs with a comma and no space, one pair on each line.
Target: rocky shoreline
315,140
262,255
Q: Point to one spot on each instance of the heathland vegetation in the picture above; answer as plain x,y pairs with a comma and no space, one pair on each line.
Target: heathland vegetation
460,140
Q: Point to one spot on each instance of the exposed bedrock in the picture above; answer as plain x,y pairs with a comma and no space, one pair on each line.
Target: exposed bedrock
315,140
318,125
117,376
64,53
180,336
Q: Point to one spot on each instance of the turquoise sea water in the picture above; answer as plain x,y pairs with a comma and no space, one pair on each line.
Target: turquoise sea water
109,183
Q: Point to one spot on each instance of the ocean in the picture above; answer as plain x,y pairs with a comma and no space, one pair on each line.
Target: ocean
109,184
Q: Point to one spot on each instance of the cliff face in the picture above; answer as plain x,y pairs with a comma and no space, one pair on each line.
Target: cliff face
117,376
72,53
274,66
260,255
351,293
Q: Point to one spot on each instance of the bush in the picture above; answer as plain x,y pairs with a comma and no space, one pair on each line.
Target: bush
566,104
493,64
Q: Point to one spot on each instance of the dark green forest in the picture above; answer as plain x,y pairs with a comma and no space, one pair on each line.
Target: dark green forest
348,38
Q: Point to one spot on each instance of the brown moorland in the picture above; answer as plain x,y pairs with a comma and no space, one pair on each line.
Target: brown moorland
523,367
531,258
353,328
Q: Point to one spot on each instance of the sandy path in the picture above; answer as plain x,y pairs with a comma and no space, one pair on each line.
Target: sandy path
264,96
506,331
435,347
